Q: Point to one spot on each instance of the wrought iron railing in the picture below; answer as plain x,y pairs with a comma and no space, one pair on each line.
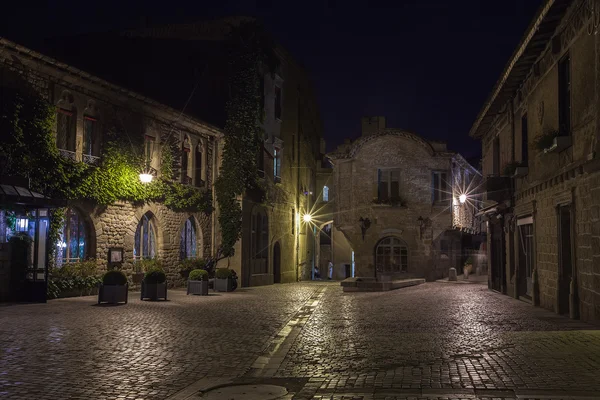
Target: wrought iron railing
92,160
71,155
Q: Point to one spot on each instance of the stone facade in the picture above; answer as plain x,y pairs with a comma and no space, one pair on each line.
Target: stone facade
556,197
84,97
420,218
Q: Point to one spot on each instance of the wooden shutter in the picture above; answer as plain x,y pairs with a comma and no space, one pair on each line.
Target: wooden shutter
375,188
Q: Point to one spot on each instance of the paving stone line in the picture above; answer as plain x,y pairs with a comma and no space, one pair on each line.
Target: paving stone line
267,364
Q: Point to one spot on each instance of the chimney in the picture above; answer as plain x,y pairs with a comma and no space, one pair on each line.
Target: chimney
371,125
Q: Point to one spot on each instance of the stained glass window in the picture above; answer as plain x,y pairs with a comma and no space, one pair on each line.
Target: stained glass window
145,238
187,247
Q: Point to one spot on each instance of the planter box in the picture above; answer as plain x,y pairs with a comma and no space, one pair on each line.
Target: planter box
560,143
521,172
197,287
154,291
223,285
113,294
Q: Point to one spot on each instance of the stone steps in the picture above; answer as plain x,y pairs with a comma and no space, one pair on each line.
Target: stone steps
373,285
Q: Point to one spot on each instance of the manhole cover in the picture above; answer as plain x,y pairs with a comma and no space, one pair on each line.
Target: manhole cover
246,392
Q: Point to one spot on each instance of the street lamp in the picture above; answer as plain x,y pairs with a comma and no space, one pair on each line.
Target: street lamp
307,218
146,177
462,198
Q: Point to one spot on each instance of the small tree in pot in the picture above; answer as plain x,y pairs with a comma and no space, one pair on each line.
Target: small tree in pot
198,282
154,285
223,282
114,288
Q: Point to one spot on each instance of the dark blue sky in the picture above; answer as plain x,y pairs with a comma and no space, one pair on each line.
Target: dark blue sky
427,65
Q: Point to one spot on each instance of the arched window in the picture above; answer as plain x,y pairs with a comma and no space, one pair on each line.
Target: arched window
187,247
145,238
391,255
185,158
72,245
325,193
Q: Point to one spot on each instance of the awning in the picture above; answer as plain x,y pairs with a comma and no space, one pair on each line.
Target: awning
18,194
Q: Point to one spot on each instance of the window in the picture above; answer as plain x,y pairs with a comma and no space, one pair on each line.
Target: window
65,130
185,156
277,102
148,150
525,226
72,241
91,139
145,238
276,163
293,221
187,247
496,156
198,177
391,255
440,187
564,94
388,184
524,141
325,193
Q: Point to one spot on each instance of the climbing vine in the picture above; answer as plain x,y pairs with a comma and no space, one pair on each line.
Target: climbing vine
28,149
250,54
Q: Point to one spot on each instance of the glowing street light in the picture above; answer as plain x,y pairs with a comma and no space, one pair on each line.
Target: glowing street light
307,218
462,198
145,177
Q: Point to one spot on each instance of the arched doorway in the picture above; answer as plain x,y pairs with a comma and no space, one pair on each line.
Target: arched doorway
276,263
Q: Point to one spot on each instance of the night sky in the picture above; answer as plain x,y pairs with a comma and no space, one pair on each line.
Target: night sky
427,65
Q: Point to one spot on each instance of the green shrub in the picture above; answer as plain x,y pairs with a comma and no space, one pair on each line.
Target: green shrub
469,260
198,275
148,264
190,264
114,277
155,276
547,139
222,273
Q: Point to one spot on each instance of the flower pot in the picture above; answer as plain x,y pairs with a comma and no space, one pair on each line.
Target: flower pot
113,294
223,285
154,291
197,287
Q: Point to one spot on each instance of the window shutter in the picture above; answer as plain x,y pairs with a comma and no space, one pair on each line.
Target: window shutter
376,184
433,187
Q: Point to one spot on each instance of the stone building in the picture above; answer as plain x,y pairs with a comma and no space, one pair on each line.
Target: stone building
87,109
539,131
187,65
398,203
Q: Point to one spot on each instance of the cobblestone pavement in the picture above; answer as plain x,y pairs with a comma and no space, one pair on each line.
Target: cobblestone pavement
434,341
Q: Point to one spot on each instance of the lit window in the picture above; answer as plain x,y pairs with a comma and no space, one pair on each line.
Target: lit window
22,224
145,238
187,248
325,193
276,163
72,241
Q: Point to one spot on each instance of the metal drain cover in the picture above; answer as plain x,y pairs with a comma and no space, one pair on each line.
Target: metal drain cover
246,392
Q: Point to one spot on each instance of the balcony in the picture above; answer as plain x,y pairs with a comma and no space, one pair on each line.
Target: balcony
91,160
71,155
498,188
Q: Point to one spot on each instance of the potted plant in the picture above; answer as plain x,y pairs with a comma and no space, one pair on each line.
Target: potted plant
190,264
468,267
114,288
198,282
142,266
154,285
223,280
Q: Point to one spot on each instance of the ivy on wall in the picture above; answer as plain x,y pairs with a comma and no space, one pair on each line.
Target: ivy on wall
250,53
28,149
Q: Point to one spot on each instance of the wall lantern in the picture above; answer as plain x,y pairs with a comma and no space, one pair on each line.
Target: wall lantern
146,178
462,198
365,223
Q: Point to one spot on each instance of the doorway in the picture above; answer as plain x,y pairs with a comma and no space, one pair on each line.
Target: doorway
525,272
565,246
497,253
277,263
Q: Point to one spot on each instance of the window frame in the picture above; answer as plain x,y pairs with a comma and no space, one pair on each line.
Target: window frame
402,255
444,196
389,172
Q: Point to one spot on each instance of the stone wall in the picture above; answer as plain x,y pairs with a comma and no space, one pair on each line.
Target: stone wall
355,180
115,226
